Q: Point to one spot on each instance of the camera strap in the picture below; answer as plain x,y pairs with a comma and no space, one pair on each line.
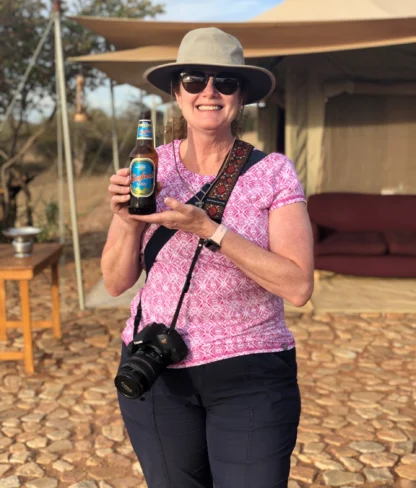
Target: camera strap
239,161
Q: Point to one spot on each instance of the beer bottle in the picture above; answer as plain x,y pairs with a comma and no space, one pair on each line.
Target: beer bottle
143,171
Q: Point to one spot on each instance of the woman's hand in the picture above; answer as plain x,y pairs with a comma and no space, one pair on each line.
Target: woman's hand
184,217
119,190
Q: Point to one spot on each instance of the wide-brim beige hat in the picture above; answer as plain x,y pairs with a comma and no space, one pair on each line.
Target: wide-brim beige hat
211,48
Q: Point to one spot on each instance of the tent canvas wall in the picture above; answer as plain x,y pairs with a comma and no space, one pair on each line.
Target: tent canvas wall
351,119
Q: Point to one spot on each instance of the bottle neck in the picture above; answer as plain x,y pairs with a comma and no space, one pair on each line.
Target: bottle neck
145,131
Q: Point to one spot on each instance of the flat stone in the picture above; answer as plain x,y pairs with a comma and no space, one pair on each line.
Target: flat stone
344,353
30,470
114,432
20,457
4,468
367,446
314,447
369,397
108,473
103,484
379,460
37,442
402,447
10,482
293,484
351,464
303,473
60,446
72,476
46,458
62,466
328,464
392,435
378,474
307,437
84,484
407,471
409,459
58,435
42,483
342,478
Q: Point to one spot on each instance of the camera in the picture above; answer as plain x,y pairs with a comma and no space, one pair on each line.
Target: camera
151,350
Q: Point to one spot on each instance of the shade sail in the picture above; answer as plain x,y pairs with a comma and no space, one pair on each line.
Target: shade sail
336,10
284,37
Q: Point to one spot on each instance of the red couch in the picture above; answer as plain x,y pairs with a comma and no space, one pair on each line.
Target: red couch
364,234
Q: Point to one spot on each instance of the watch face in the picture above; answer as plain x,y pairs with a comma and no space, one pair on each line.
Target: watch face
212,245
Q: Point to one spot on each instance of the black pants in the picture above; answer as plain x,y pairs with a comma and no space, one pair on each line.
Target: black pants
231,423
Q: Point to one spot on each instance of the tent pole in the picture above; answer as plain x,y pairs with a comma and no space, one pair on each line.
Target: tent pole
60,167
67,148
30,65
116,160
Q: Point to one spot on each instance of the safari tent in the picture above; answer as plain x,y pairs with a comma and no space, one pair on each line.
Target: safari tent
346,90
344,108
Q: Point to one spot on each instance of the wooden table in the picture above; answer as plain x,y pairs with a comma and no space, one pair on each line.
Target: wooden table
23,270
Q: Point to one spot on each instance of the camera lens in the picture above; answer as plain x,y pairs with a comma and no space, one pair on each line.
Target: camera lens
138,373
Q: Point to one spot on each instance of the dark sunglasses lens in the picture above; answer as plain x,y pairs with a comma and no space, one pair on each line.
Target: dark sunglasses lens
226,86
194,83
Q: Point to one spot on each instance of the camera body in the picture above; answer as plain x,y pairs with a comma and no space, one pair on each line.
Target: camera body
152,349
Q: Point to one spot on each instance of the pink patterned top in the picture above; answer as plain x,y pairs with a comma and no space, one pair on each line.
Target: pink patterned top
225,313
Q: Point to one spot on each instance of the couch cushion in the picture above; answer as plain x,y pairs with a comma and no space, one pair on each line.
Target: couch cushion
362,243
401,243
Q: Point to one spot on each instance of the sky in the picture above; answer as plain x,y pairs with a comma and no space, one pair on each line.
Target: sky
185,10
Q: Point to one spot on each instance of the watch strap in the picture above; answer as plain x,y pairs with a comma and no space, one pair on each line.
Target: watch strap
219,234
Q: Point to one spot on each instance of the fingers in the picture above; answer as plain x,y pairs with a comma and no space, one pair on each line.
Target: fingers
118,190
115,199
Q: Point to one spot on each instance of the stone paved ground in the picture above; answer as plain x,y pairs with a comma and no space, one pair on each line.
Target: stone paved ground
61,426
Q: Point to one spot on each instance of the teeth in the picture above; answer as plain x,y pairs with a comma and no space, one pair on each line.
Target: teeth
209,107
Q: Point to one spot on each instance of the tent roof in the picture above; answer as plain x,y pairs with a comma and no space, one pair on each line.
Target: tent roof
332,10
297,37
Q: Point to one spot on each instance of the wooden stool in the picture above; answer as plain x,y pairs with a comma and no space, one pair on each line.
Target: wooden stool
23,270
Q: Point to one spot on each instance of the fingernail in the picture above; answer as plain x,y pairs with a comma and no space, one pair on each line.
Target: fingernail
167,200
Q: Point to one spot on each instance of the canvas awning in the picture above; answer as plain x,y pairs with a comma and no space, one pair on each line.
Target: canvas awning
260,40
338,10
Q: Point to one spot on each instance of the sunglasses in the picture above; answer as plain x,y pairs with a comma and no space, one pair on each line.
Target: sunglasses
195,82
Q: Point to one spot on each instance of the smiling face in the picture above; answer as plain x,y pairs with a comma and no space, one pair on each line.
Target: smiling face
209,110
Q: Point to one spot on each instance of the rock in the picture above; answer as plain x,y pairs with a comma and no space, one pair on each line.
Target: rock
378,474
62,466
103,484
351,464
379,460
303,473
30,470
407,471
344,353
58,435
46,458
60,446
84,484
392,435
42,483
367,446
10,482
114,432
37,442
409,459
4,468
342,478
314,447
327,465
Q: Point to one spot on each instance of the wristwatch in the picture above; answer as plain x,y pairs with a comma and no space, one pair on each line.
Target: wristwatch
213,243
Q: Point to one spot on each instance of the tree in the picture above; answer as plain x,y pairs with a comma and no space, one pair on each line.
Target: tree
22,23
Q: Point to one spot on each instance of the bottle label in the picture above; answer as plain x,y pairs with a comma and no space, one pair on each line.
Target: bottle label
144,130
142,172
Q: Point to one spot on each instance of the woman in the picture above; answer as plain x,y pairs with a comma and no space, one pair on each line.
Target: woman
228,413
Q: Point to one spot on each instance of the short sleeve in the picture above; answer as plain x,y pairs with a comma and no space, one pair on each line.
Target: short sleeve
287,187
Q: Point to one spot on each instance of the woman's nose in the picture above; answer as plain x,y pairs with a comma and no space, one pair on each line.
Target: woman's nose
210,88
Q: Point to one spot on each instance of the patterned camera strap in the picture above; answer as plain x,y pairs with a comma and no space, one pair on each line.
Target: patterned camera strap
214,204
